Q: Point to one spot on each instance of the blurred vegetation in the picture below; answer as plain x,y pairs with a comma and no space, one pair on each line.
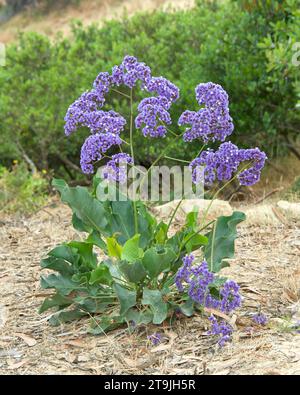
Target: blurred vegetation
20,190
246,46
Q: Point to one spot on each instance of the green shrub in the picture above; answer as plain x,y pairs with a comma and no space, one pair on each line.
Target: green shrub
21,191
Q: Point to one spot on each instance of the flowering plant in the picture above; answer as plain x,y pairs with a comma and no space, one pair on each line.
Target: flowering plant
129,269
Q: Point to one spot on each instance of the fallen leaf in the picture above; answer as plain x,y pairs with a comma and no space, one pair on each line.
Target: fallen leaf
17,365
217,313
27,339
75,343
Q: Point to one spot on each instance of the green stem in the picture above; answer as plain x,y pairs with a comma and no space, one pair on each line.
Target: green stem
121,93
136,228
178,160
172,217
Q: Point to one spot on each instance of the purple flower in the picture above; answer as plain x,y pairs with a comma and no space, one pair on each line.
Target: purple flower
153,110
231,298
222,329
115,169
164,88
94,146
183,274
260,319
78,111
102,83
212,96
199,282
134,71
105,121
223,163
212,122
155,338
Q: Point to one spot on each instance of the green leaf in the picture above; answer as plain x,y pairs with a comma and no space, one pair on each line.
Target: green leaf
86,208
139,317
57,300
95,239
192,219
113,247
153,298
105,324
62,284
126,298
194,242
187,308
161,233
85,250
101,275
156,262
221,240
66,316
134,272
131,251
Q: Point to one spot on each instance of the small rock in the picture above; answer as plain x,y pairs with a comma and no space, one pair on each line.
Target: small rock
215,208
261,215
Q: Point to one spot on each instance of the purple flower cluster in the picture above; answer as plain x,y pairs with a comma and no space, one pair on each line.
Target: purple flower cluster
93,148
199,280
115,169
224,162
163,88
260,319
222,329
155,338
212,122
152,111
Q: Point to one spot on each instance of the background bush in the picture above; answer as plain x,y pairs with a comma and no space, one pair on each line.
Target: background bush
245,46
21,190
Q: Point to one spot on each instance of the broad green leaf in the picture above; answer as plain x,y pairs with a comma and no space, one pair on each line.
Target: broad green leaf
131,251
156,262
85,250
57,300
101,275
95,239
221,240
187,308
86,208
57,264
66,316
126,298
194,241
153,298
113,247
105,324
63,285
139,317
134,272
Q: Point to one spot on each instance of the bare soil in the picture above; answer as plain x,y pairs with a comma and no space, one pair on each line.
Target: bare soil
267,266
88,11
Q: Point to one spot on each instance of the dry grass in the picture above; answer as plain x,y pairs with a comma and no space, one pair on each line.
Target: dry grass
267,266
89,11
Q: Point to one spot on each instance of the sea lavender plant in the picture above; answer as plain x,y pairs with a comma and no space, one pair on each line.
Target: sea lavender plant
143,273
